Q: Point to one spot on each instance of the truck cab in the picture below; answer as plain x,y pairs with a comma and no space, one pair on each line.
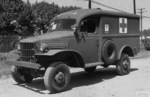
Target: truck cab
84,38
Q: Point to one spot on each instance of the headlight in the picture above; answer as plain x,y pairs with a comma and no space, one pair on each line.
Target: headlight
43,47
18,46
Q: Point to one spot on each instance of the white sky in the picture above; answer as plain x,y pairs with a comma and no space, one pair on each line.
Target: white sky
125,5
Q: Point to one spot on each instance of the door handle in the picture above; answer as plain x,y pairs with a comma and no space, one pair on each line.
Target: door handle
97,43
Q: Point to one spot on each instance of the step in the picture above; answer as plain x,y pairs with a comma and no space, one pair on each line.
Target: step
93,64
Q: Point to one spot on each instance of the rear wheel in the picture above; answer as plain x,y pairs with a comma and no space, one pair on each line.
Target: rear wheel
147,48
123,65
90,69
57,77
20,76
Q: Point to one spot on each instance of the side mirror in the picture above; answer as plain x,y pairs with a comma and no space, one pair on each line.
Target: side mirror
77,34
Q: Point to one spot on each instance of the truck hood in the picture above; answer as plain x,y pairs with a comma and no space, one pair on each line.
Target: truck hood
48,36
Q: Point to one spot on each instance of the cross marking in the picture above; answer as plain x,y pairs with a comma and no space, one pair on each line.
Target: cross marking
123,25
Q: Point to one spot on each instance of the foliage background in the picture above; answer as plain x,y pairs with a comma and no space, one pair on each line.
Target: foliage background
19,18
22,18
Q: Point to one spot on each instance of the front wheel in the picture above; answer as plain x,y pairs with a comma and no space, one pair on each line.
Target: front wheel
57,77
20,76
123,65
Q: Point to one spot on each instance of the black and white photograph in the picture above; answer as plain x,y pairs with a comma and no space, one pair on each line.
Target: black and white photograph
74,48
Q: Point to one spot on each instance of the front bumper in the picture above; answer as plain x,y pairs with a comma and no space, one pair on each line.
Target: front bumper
24,64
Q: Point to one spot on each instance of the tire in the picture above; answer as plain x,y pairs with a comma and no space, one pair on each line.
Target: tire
123,65
57,77
19,76
109,52
147,48
90,69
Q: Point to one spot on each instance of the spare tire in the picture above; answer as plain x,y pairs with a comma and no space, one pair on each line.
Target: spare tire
109,52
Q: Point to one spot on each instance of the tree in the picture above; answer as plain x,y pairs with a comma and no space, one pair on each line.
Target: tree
25,20
1,9
44,12
18,11
22,18
10,10
68,8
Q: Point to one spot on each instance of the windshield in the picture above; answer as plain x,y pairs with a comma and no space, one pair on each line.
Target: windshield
62,24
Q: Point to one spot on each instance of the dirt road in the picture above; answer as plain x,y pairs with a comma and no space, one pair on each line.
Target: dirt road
103,83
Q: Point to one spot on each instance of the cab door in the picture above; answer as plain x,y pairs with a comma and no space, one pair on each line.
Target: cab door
88,45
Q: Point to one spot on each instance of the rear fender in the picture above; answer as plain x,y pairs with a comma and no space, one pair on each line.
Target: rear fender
127,50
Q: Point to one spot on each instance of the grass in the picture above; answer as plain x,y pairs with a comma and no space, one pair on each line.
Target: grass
5,70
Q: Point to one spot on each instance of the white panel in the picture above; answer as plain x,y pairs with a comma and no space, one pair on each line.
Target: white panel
121,29
120,20
125,20
106,27
125,30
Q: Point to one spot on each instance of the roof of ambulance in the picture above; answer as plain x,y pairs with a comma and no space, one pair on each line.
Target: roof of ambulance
81,13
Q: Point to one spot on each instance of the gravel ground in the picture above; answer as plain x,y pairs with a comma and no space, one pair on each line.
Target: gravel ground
103,83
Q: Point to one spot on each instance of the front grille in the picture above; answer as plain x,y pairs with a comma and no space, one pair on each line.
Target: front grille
26,45
27,51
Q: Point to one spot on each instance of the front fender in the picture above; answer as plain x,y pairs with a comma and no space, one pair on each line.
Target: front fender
57,51
60,54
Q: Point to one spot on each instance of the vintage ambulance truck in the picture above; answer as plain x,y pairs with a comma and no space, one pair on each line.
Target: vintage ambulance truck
84,38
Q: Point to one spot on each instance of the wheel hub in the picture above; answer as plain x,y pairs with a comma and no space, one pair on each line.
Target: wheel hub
125,64
60,77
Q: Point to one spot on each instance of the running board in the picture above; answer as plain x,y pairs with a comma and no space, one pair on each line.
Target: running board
93,64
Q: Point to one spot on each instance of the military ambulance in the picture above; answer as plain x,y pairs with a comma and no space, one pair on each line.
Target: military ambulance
84,38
